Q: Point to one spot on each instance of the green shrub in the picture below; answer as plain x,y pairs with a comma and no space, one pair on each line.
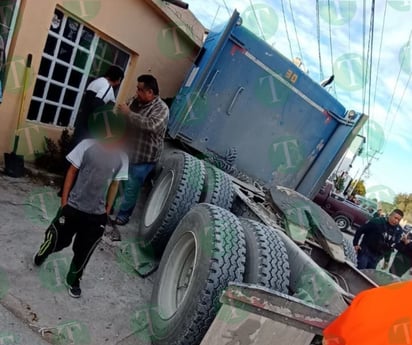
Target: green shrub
53,159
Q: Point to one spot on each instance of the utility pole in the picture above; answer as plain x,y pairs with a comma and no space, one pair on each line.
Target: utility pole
368,165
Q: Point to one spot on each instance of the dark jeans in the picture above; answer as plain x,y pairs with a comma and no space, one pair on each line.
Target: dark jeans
87,230
401,263
368,259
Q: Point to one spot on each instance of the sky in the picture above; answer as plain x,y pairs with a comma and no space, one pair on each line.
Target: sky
335,37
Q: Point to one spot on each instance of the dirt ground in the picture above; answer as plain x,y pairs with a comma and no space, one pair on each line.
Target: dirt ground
114,302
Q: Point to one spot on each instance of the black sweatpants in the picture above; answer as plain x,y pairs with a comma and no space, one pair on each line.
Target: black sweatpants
87,230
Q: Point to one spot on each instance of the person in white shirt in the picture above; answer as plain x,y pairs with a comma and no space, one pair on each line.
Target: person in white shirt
98,93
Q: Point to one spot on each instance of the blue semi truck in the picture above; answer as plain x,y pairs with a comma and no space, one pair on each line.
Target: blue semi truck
251,140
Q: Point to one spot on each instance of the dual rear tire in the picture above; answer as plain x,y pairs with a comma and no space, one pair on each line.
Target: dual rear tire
184,182
203,247
210,248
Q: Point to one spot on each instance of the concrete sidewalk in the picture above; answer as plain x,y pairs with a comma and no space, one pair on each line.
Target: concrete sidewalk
115,300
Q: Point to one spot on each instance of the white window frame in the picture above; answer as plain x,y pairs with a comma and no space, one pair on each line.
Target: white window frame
70,65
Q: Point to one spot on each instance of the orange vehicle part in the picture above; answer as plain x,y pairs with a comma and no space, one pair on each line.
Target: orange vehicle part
378,316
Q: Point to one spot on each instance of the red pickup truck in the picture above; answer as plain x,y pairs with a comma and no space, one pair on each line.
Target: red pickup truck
347,215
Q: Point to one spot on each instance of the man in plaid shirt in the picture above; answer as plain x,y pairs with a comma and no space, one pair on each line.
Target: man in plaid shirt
148,116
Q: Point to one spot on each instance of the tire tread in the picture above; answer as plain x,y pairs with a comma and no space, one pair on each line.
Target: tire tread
187,194
271,259
226,264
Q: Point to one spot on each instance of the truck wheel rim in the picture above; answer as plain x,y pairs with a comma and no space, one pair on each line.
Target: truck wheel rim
158,199
177,275
341,223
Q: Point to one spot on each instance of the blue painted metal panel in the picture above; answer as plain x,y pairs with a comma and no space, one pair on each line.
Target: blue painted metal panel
243,94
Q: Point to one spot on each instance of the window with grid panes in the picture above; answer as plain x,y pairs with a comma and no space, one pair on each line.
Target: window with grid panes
72,57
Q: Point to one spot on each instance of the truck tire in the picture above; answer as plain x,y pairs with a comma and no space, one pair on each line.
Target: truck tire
342,222
349,251
206,252
218,188
177,189
267,261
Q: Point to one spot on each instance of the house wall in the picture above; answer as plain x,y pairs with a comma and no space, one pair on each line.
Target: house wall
134,24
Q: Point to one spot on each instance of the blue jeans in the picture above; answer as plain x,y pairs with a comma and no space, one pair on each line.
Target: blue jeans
367,259
137,176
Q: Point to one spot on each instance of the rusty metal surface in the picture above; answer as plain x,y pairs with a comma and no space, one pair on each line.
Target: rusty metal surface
234,326
278,307
294,207
253,315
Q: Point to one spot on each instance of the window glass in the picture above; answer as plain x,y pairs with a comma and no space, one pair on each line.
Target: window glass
71,29
54,93
33,110
59,73
81,59
45,65
86,38
51,44
75,78
70,97
65,52
64,117
56,22
49,113
39,88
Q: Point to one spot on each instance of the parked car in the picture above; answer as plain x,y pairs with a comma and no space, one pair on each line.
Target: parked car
346,214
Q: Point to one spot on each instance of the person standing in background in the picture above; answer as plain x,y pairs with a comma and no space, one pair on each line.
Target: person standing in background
403,258
98,93
379,238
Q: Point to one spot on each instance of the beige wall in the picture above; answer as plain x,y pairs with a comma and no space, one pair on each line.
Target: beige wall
133,24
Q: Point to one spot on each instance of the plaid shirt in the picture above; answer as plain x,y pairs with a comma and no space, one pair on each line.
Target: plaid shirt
148,124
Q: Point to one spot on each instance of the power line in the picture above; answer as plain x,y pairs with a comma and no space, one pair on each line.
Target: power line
349,26
257,20
294,27
403,94
287,32
227,8
397,81
364,64
369,56
400,102
368,74
322,76
214,19
380,52
364,73
377,71
331,46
